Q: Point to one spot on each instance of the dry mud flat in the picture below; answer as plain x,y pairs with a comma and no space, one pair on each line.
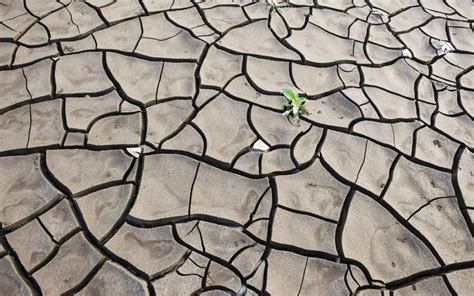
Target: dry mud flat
143,151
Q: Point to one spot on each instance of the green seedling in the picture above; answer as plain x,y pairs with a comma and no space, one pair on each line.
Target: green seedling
274,5
295,105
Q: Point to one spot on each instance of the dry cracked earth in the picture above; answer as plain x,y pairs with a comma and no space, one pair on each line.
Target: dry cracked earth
143,151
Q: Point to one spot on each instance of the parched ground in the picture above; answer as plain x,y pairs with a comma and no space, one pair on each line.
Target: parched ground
143,150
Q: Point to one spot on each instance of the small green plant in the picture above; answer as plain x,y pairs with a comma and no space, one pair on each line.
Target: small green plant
274,5
295,105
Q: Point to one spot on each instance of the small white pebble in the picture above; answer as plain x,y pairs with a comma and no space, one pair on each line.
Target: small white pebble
135,151
260,145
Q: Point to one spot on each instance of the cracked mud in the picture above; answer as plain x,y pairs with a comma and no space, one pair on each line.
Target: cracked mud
143,151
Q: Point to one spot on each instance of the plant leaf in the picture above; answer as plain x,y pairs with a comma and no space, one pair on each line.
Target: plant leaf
289,93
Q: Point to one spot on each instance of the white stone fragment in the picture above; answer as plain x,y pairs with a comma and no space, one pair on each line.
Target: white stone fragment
442,47
260,145
135,151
